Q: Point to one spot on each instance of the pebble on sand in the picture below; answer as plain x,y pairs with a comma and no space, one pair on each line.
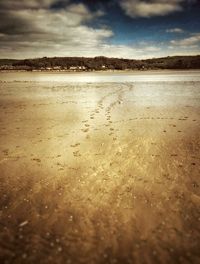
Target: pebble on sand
23,223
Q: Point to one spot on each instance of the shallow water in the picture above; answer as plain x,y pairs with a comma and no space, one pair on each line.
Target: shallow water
149,76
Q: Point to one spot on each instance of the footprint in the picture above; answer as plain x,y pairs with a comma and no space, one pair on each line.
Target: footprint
75,145
85,130
5,151
37,160
76,153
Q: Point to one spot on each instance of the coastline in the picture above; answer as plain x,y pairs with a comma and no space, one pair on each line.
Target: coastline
104,71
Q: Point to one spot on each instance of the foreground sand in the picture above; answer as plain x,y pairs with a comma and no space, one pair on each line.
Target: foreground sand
100,173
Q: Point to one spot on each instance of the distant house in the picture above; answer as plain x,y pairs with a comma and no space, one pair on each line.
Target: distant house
57,68
73,68
103,67
83,68
77,68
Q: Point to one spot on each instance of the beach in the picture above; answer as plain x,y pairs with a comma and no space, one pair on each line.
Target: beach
100,169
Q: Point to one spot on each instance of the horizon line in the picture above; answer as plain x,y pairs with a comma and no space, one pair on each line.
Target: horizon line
121,58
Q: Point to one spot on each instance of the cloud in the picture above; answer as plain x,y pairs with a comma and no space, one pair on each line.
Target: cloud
25,4
175,30
187,42
35,29
146,9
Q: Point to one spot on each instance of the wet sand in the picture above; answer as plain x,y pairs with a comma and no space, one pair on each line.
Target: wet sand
100,172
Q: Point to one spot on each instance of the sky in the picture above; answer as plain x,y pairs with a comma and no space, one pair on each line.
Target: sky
134,29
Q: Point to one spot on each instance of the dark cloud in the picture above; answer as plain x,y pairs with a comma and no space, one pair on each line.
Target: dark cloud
34,26
25,4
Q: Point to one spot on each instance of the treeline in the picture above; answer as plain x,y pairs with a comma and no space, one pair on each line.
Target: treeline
176,62
101,63
78,63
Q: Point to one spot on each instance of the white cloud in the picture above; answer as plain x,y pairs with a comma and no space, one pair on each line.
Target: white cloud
141,8
175,30
187,42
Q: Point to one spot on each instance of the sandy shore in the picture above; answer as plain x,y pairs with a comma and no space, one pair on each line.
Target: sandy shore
100,172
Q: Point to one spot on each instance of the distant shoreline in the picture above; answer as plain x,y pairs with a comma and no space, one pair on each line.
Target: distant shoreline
83,64
102,71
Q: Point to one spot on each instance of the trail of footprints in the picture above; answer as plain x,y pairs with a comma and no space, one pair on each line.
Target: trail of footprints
186,118
109,122
98,110
108,114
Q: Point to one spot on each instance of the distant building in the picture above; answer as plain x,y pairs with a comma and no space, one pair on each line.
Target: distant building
57,68
77,68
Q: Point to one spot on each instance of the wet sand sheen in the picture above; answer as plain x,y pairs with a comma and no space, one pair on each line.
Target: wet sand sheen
100,172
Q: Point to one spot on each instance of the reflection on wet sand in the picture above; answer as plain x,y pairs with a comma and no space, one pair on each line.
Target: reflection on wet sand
100,172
